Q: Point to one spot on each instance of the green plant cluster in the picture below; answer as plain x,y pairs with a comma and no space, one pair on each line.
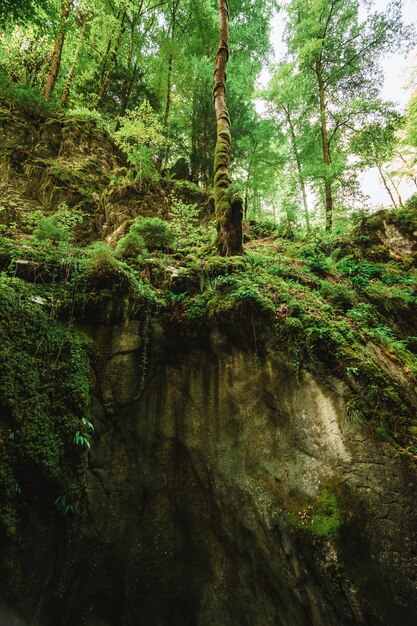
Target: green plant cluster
27,99
321,516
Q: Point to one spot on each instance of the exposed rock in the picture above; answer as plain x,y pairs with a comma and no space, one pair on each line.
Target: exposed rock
56,161
195,482
390,234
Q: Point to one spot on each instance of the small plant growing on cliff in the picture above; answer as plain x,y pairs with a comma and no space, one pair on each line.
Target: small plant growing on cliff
57,228
156,233
322,515
65,507
82,436
101,259
50,229
184,217
140,137
130,246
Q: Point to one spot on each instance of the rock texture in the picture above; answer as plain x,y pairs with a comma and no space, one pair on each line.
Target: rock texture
203,447
48,162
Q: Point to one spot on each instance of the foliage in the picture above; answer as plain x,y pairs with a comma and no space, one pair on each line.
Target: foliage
100,260
156,233
140,137
28,99
130,246
57,228
85,113
411,128
322,516
184,217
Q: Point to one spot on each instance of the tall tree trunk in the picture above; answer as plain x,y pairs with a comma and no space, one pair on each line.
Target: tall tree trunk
132,68
413,178
396,189
246,199
107,52
384,180
126,92
325,149
299,169
169,89
228,212
56,56
174,9
108,73
68,82
194,160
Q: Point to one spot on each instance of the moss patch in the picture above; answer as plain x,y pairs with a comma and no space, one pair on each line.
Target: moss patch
45,380
321,516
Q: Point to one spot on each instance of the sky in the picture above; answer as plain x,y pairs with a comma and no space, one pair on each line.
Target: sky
397,87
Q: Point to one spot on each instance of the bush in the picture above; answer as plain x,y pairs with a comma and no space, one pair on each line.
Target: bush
85,114
184,217
101,260
28,98
50,229
260,228
56,228
155,232
130,246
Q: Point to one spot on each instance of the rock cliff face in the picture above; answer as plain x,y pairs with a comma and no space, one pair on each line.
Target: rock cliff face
200,476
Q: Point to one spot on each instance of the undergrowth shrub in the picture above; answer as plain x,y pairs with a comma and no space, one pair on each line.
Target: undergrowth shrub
131,246
100,259
56,228
156,233
28,99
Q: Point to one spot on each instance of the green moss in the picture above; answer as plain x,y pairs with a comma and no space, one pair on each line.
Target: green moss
45,380
321,516
293,324
218,265
407,216
338,294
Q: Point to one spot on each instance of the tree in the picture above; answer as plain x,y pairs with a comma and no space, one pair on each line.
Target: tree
58,46
21,10
68,82
228,210
340,53
375,144
411,127
291,102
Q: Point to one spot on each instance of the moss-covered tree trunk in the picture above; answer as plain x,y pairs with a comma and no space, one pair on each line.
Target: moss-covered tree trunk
58,46
228,211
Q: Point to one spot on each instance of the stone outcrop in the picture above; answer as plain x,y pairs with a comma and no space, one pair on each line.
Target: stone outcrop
205,450
45,163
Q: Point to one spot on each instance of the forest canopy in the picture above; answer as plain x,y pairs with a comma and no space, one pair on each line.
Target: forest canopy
143,70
